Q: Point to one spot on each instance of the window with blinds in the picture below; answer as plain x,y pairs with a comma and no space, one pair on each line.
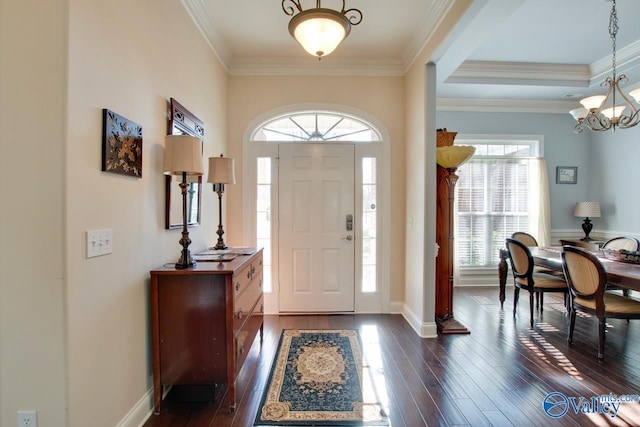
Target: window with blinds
492,197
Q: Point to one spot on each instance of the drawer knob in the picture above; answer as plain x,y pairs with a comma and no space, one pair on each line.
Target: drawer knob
249,274
237,286
253,269
240,314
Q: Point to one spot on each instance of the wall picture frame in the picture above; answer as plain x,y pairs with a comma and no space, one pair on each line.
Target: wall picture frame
121,145
566,175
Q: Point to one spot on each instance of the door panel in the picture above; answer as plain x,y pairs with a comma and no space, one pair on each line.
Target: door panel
316,193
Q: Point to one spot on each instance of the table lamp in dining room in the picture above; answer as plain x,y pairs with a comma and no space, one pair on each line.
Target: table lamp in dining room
587,210
221,172
183,157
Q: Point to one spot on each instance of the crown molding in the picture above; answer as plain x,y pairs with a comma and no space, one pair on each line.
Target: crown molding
626,58
309,66
521,73
504,106
200,16
430,23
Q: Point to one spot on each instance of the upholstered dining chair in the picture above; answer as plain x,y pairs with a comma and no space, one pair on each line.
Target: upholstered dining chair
617,243
587,282
531,241
525,278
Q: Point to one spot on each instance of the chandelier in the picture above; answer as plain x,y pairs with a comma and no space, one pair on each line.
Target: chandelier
320,30
603,112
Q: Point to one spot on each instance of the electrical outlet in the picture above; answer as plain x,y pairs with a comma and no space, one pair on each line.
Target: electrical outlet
99,242
27,419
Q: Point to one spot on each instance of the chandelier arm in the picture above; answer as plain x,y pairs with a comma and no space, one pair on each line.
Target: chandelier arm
597,122
353,15
288,8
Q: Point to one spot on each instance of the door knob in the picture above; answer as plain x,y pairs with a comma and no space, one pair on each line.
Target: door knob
349,238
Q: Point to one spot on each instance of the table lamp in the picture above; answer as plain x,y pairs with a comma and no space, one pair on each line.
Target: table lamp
587,210
183,157
221,172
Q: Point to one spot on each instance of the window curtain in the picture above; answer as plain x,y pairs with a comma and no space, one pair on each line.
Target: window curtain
539,209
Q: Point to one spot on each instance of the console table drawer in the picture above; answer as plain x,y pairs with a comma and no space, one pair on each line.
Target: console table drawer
246,301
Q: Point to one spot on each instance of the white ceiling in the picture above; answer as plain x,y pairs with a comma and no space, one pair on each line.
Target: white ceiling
536,51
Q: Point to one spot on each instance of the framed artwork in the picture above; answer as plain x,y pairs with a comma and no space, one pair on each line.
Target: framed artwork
121,145
566,174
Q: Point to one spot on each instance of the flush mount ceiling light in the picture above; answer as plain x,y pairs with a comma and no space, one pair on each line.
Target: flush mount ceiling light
601,112
320,30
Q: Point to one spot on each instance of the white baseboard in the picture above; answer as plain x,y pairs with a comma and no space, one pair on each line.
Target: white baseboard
140,412
423,329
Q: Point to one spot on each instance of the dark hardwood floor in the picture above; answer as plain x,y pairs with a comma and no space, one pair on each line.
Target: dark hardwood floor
498,375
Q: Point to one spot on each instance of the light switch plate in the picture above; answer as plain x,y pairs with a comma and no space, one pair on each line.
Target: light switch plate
99,242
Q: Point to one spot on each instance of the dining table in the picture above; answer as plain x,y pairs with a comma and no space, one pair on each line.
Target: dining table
621,274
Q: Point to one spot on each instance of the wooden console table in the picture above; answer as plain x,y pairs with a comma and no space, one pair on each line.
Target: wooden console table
203,322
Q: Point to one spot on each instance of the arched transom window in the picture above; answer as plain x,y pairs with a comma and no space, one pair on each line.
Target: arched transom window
316,126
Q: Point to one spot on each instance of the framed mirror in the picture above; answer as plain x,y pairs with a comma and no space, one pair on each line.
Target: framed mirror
183,122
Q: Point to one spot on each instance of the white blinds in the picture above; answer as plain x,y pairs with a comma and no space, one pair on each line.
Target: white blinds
493,202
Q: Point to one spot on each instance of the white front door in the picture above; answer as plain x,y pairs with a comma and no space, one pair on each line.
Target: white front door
316,207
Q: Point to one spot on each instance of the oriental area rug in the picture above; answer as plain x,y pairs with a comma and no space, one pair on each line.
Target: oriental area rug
316,380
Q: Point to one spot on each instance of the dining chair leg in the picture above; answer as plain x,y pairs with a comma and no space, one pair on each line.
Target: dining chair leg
541,300
531,306
516,297
538,296
601,331
572,323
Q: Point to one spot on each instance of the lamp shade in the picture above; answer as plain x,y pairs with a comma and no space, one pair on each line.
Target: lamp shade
587,210
221,170
319,30
453,156
182,153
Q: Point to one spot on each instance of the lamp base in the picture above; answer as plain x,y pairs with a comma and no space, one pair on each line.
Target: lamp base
586,227
185,261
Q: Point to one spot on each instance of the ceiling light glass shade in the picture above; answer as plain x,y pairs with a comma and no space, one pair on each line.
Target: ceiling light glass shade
593,102
636,95
453,156
613,113
319,31
579,113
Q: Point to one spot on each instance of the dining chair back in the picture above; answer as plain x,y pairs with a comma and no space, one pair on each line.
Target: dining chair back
525,277
587,282
622,242
525,238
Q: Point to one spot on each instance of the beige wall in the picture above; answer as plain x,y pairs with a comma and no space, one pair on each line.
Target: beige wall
129,57
380,97
32,138
75,331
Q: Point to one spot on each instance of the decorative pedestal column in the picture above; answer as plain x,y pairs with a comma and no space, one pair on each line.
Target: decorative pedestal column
449,158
